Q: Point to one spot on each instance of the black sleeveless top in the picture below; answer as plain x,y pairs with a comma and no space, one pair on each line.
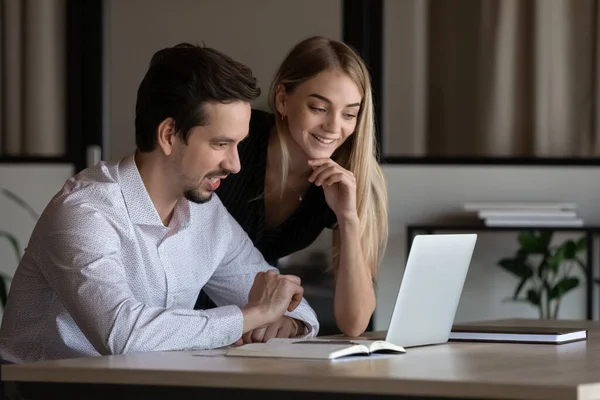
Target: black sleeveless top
243,196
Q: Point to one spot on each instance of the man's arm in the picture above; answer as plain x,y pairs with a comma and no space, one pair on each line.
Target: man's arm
82,259
231,282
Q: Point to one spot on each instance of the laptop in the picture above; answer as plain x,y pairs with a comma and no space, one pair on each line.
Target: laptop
430,290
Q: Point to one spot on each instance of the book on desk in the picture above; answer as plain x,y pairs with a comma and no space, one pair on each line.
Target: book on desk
518,334
319,349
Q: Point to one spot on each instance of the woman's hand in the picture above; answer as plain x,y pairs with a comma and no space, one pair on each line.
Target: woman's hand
339,186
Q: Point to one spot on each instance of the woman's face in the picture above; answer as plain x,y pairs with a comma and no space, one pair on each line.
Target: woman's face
321,113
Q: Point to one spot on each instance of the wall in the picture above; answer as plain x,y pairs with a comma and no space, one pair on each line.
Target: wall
258,33
419,194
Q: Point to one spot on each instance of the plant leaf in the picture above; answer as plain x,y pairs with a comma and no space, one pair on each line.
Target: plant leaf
533,296
20,202
519,288
534,244
556,259
545,238
581,244
544,265
563,286
570,249
517,267
14,242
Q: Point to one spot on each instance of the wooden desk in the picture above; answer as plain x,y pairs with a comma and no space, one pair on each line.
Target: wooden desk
453,370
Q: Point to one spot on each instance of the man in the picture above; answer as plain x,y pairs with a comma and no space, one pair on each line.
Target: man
115,262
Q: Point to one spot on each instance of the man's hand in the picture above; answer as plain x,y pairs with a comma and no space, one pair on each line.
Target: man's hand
284,327
271,295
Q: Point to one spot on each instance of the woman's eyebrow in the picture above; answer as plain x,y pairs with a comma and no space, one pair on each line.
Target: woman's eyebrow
318,96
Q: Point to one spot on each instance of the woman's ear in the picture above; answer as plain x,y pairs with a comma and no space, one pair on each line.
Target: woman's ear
166,135
281,100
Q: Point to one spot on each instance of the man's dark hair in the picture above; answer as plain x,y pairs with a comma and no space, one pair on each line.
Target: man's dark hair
179,81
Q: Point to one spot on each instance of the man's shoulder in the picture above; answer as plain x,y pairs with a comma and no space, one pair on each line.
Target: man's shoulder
89,201
103,177
96,188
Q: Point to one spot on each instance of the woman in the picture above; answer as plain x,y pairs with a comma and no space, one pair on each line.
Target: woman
312,165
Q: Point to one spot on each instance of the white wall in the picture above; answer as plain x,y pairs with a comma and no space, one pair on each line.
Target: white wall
420,194
258,33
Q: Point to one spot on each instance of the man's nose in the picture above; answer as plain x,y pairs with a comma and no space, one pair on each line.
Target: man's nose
232,161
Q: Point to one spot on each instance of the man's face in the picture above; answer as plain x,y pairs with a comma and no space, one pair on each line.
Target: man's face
211,152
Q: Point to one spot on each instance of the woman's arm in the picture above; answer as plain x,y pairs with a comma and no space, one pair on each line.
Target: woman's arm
354,300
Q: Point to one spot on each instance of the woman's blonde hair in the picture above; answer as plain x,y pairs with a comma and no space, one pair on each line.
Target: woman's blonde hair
358,154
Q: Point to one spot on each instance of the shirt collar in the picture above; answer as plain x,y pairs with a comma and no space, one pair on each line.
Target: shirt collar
139,204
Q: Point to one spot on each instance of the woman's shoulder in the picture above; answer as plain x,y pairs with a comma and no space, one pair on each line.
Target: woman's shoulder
261,122
257,141
258,136
253,158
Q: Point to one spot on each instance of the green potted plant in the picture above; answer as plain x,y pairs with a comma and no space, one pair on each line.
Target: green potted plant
13,240
545,271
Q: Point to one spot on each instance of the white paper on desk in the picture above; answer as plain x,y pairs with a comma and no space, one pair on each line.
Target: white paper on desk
218,352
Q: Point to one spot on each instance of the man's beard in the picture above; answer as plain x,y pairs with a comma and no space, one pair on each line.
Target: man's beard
194,196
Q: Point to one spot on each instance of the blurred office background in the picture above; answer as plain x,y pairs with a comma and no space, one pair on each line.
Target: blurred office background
477,100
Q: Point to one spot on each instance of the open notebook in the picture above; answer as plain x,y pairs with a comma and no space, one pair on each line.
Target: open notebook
320,349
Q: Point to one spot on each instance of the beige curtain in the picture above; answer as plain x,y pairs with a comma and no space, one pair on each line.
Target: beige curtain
32,77
512,78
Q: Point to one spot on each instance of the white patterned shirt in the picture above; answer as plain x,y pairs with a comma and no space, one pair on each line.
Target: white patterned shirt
102,274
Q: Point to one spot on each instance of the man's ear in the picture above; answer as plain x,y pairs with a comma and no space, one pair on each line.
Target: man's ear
281,100
166,135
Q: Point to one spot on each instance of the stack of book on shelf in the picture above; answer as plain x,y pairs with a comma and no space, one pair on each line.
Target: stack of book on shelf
526,214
